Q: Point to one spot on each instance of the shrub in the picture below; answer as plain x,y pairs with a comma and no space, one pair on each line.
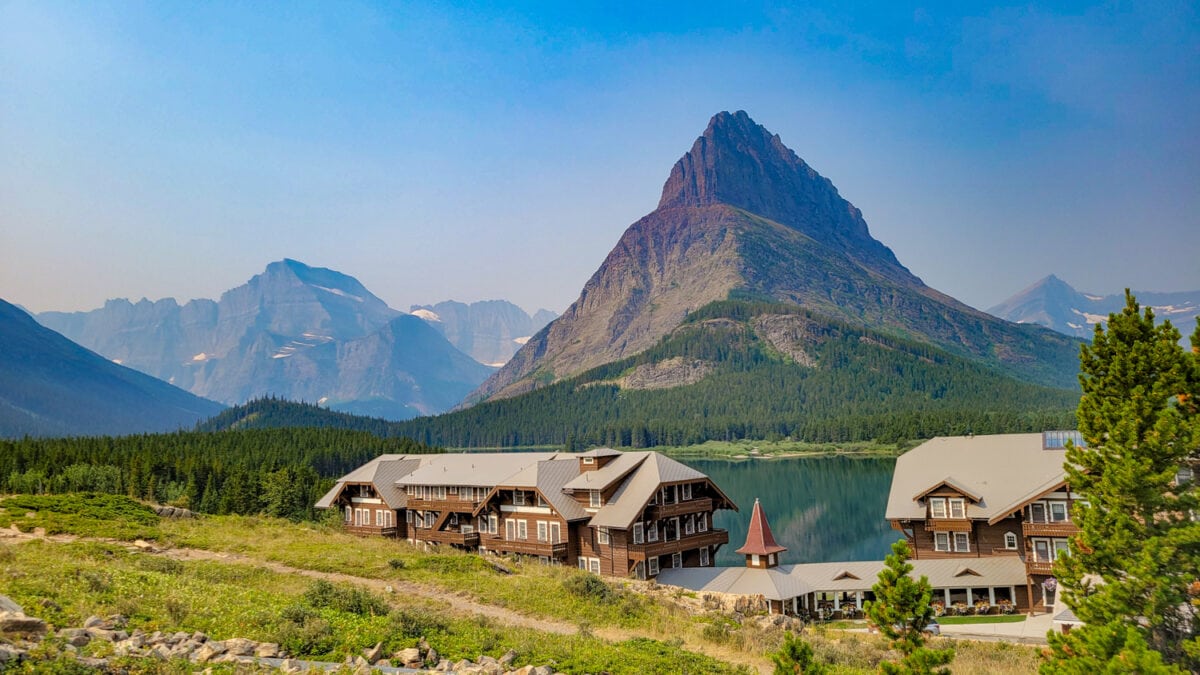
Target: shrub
324,595
590,586
415,622
396,564
313,636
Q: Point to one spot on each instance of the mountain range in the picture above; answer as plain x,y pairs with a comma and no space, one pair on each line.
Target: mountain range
741,216
1053,303
300,332
50,386
491,331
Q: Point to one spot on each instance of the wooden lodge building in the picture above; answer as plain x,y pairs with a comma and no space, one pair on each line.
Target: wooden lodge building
613,513
970,498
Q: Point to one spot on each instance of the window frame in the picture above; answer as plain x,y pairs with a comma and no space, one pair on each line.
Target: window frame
522,529
543,531
677,560
959,504
939,537
518,498
603,536
965,539
1010,536
704,556
652,567
595,500
639,533
936,504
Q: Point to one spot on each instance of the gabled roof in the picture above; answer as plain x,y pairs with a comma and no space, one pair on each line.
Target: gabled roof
602,478
953,485
381,473
1000,470
547,477
759,540
600,452
1049,486
473,469
643,473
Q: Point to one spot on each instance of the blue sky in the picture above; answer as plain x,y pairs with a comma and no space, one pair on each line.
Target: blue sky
480,150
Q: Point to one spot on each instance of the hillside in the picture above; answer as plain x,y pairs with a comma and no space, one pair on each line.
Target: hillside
740,369
50,386
301,332
742,216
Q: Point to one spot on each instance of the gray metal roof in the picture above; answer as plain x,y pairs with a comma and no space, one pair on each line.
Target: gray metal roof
605,476
788,581
475,469
600,452
548,477
650,471
1004,471
382,473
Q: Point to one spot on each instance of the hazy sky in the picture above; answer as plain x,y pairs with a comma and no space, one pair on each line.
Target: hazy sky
471,150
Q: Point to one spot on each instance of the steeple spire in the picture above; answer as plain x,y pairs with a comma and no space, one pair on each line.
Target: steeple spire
761,550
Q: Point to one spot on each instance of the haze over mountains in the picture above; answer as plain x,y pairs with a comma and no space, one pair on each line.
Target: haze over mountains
50,386
741,216
491,331
299,332
1053,303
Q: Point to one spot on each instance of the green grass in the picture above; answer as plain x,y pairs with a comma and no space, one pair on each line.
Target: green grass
96,515
987,618
782,448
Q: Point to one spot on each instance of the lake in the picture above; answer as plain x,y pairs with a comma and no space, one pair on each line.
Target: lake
822,509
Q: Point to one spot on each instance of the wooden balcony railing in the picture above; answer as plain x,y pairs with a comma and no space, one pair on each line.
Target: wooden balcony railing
452,504
1039,567
1063,528
658,511
948,525
524,546
467,539
687,542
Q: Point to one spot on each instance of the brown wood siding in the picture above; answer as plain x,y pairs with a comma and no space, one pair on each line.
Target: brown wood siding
985,540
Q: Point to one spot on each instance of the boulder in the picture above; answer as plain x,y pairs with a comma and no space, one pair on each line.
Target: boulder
240,646
10,655
93,622
267,650
507,659
372,654
18,622
7,605
411,657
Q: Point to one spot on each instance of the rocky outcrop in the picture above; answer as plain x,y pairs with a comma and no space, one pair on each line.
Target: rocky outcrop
673,372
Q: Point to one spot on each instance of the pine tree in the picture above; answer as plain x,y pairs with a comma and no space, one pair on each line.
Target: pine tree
1133,566
902,611
795,657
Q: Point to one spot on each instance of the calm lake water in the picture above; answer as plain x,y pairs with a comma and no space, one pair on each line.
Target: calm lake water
821,508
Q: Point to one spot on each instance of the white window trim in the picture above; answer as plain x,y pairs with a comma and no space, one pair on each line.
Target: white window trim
938,539
689,525
603,537
1010,537
704,556
966,539
519,497
522,529
652,532
543,531
594,565
1052,517
676,560
687,491
589,460
703,527
937,504
957,508
639,533
652,565
594,500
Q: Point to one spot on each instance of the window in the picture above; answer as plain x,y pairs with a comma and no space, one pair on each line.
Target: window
453,518
483,523
639,570
430,519
594,566
522,529
555,533
510,530
962,542
704,556
652,564
543,531
937,507
349,514
454,490
379,519
493,522
602,536
689,525
589,460
408,517
639,533
594,499
1058,512
652,532
754,559
541,501
1037,512
1041,551
686,489
958,508
583,563
1010,541
677,560
668,495
439,492
941,541
519,498
703,526
771,560
1061,548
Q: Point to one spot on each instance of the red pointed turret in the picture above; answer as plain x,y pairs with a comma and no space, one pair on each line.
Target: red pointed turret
760,549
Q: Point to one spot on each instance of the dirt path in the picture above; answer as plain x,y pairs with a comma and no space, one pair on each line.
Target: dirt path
459,604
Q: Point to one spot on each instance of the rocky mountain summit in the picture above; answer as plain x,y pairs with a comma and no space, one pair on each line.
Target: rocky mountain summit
742,217
300,332
1055,304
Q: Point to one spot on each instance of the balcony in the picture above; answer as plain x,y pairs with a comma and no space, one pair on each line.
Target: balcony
659,511
948,525
525,546
453,505
371,530
688,542
467,539
1042,567
1063,528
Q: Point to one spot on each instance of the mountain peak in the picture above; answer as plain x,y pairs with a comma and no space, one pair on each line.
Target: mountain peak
737,162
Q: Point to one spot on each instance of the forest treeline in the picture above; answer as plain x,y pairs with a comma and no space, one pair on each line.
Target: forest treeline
865,386
281,472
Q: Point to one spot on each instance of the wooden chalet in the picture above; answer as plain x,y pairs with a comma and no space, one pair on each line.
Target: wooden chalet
613,513
971,497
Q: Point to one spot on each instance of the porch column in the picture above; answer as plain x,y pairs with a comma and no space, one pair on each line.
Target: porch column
795,606
992,595
837,601
970,600
946,596
858,600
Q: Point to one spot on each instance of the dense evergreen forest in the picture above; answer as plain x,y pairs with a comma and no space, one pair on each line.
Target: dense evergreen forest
280,472
865,386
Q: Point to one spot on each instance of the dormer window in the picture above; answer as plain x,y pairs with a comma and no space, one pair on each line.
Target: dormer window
518,498
594,499
958,508
1058,512
941,507
937,507
686,490
1010,541
589,460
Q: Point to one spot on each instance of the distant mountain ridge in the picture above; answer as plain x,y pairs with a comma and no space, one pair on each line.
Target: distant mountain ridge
491,331
296,331
741,216
1055,304
50,386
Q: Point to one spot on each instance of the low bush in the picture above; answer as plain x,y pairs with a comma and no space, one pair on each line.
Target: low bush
324,595
415,622
590,586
